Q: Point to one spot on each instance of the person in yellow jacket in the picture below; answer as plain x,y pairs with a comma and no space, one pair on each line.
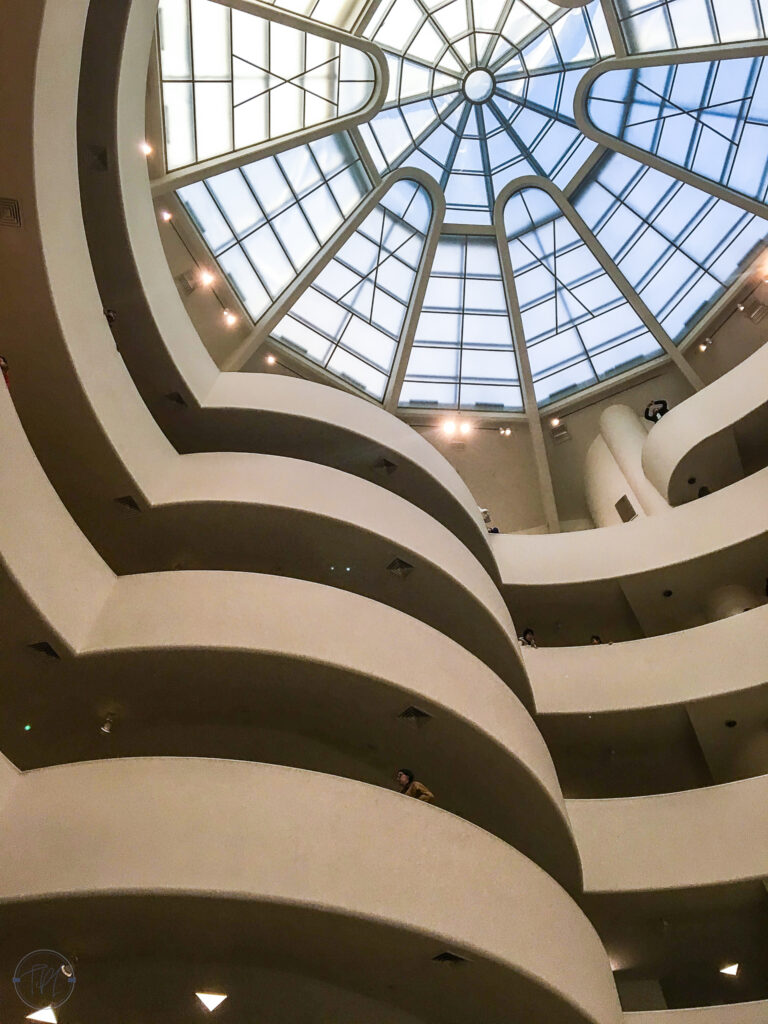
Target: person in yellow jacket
410,787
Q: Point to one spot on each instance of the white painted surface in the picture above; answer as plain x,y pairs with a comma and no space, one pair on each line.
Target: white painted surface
261,832
646,843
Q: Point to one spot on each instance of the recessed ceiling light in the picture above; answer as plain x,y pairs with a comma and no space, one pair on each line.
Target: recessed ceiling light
145,148
206,278
449,427
507,431
48,1015
702,347
271,360
229,318
732,969
27,727
554,422
166,215
210,1000
465,427
740,306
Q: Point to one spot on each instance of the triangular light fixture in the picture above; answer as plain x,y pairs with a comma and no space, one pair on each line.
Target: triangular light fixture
47,1014
732,969
210,1000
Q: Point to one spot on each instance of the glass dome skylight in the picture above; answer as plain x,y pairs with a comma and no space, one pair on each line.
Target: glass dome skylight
516,185
481,92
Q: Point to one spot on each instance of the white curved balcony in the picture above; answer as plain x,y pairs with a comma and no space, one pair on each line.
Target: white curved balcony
301,843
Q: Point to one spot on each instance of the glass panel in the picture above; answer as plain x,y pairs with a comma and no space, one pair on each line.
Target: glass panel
462,355
475,140
253,79
354,311
678,246
570,308
275,212
673,24
709,117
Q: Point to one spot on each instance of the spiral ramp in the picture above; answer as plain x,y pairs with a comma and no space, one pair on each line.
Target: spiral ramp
238,623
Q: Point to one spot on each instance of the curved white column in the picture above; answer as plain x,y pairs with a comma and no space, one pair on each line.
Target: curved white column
644,844
625,436
280,836
605,484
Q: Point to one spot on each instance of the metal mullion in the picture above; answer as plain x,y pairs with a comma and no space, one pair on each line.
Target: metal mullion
238,240
232,77
539,108
483,143
269,97
454,147
303,91
472,32
194,83
522,148
464,261
438,28
744,113
422,137
704,98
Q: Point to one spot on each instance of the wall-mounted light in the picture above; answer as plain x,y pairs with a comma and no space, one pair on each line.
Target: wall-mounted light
731,969
740,306
145,148
106,725
166,215
206,278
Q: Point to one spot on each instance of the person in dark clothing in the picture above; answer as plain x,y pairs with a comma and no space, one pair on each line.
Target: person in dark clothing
655,410
528,638
410,787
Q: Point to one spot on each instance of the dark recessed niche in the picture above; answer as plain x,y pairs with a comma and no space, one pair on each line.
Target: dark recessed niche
667,593
128,502
415,714
449,958
43,647
731,723
399,567
691,481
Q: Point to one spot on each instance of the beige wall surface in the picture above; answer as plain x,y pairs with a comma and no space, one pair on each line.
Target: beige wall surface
643,844
261,832
499,471
9,776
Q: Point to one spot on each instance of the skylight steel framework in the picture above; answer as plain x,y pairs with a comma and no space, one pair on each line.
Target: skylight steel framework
634,229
